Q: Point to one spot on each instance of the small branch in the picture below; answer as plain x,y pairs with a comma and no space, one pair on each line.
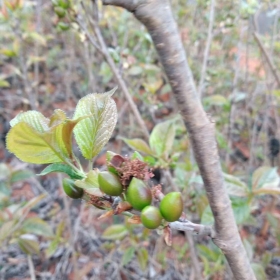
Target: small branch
31,267
207,48
194,228
104,50
268,58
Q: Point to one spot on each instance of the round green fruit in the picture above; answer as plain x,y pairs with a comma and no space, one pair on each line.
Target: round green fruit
71,190
171,206
65,4
138,194
60,12
109,183
63,26
151,217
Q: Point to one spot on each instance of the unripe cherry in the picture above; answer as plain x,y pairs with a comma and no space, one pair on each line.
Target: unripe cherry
109,183
151,217
71,190
171,206
138,194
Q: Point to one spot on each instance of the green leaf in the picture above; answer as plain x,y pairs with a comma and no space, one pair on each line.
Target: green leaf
218,100
235,186
127,256
34,119
61,167
37,226
241,209
266,181
162,138
90,183
137,155
143,257
95,131
28,244
259,271
207,216
4,83
52,248
138,145
115,232
21,175
31,146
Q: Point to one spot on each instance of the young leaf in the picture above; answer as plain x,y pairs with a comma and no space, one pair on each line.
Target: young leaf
91,181
115,232
95,131
127,256
138,145
34,119
61,167
162,138
37,226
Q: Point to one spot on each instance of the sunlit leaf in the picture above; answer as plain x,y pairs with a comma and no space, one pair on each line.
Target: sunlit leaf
37,226
143,257
61,167
115,232
31,146
127,256
34,119
138,145
162,138
95,131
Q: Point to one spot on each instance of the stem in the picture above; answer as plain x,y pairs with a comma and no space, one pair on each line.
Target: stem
31,267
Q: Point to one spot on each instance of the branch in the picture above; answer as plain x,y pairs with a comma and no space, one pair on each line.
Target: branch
157,16
207,48
268,59
198,229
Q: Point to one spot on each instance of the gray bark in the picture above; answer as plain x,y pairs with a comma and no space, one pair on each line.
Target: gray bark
157,16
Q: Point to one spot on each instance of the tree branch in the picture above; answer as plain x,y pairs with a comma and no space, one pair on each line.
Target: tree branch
157,16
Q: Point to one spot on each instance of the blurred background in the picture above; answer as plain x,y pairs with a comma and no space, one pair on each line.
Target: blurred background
52,53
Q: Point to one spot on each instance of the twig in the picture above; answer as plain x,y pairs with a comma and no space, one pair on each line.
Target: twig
207,48
31,267
194,228
194,258
104,50
268,58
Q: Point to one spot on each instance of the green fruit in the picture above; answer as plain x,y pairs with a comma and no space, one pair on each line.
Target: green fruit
60,12
71,190
109,183
65,4
171,206
63,26
151,217
138,194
